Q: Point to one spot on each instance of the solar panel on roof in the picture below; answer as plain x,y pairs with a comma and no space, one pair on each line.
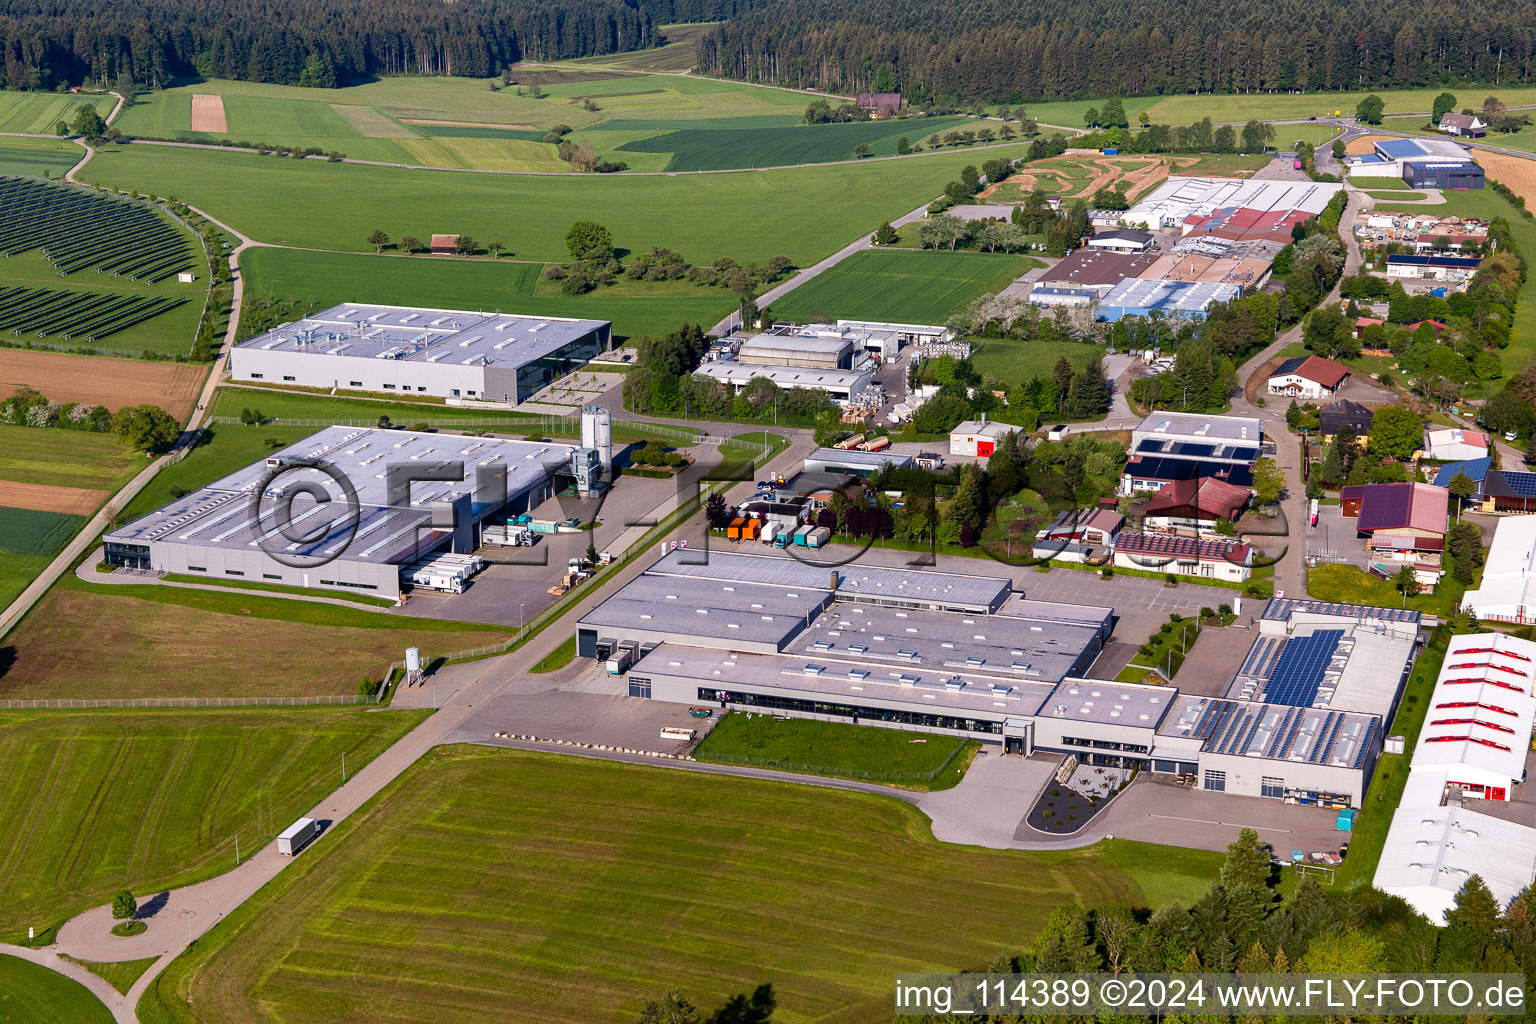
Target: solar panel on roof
1299,672
1523,484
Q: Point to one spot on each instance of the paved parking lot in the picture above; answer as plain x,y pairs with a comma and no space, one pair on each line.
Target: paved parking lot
1215,658
1335,538
1140,604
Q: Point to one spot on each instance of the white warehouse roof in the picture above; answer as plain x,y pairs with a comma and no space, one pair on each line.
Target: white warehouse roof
1430,853
1180,197
732,372
1508,590
1481,710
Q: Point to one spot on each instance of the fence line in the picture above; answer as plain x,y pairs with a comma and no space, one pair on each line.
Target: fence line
13,703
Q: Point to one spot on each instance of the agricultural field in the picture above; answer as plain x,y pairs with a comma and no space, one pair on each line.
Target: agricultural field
674,55
1485,204
145,640
111,383
520,886
1073,177
66,458
88,270
906,286
321,279
38,158
38,112
775,145
35,995
102,800
28,542
313,204
1017,362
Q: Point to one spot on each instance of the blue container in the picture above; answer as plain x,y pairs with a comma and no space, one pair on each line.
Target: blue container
1111,152
1346,821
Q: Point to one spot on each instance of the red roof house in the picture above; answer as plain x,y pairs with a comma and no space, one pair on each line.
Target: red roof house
1195,505
1307,377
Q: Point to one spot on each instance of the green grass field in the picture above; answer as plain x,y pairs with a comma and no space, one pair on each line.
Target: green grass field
38,112
1393,195
29,531
148,800
676,53
1016,362
533,887
904,285
122,974
836,747
713,149
1484,204
142,640
66,458
38,158
30,994
800,213
320,279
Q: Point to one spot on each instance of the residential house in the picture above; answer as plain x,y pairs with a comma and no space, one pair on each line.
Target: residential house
1186,556
1195,506
1344,413
1468,126
1447,443
1404,523
1309,377
1080,535
1361,323
1475,470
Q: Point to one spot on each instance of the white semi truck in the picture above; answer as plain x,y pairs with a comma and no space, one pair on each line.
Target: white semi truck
297,836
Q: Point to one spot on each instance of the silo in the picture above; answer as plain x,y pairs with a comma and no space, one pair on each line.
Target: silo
597,432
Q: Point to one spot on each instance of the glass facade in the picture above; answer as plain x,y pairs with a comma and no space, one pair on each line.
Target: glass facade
544,370
1216,782
134,556
851,711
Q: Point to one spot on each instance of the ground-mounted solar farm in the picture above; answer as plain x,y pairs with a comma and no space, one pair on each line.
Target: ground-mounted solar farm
119,261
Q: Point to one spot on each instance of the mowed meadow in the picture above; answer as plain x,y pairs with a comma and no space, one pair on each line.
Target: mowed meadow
902,285
492,884
802,213
97,801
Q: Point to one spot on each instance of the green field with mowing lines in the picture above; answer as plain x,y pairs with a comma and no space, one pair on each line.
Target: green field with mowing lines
837,748
30,531
35,995
102,800
675,54
715,149
120,975
66,458
38,112
1016,362
904,286
498,884
38,158
321,279
1394,197
314,204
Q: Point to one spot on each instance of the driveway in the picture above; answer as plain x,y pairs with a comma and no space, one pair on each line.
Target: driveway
990,803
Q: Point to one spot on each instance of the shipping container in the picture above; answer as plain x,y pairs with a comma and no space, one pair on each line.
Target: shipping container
297,836
800,536
817,537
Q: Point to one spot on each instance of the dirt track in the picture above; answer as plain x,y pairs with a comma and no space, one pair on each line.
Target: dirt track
1141,173
208,114
77,501
100,380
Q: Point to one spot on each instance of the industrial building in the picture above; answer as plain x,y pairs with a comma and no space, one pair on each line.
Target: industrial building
1455,444
1389,156
1179,299
1154,472
232,529
1509,491
965,655
1061,295
1470,757
786,342
840,385
1431,267
1198,437
854,463
1231,208
1507,592
1404,524
445,353
1121,240
1095,270
1452,174
978,438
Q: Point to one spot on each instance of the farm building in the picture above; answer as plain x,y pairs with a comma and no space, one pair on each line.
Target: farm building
1236,209
1061,295
1079,535
1179,299
1361,323
1431,267
853,463
840,385
967,656
1448,443
1470,755
881,104
1195,506
1404,523
1310,377
1100,271
1509,491
446,353
1154,472
1507,592
1341,414
1199,437
977,437
1186,556
1121,240
444,245
1467,126
1475,470
229,529
1452,174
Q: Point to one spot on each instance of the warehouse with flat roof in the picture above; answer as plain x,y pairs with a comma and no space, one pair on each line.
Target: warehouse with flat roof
840,385
445,353
265,523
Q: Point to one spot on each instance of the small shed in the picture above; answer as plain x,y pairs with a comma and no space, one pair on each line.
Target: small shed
445,245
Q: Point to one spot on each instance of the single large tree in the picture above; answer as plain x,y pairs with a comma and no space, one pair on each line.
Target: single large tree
717,512
1444,104
1461,489
1247,864
1370,109
1396,432
465,245
124,906
378,239
589,240
1113,114
88,122
1268,481
145,428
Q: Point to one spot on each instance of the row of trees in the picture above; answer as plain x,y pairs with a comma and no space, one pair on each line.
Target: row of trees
142,428
663,383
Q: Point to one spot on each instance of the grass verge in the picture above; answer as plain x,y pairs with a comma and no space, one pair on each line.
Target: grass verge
35,995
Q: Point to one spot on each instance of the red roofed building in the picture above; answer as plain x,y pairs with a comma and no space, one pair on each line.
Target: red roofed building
1366,321
881,104
1403,523
1434,325
1186,556
1307,377
444,245
1195,506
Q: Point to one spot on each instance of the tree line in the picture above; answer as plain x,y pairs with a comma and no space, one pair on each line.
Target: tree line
1012,51
323,43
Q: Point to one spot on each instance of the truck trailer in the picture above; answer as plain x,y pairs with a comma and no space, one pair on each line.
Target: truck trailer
297,836
815,538
507,536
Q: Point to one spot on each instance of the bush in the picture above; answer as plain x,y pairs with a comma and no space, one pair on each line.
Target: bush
1171,578
367,687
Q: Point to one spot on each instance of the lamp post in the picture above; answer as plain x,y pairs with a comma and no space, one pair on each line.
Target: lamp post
520,622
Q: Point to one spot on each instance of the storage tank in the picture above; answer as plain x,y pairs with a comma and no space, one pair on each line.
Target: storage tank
597,432
413,660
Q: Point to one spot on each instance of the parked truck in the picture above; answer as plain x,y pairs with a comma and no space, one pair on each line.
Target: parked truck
619,662
770,530
800,536
849,443
547,525
875,444
818,536
297,836
507,536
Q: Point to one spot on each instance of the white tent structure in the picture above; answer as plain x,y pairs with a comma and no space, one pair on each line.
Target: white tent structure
1508,591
